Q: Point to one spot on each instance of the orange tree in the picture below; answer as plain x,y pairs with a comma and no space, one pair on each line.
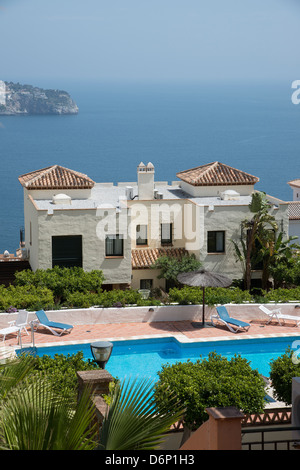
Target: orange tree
211,382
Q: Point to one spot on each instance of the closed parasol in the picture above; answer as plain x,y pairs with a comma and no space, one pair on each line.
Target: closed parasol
203,278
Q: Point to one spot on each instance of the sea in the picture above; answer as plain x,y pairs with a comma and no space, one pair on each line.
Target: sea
253,126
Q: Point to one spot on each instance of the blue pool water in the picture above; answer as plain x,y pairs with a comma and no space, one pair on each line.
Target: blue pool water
146,357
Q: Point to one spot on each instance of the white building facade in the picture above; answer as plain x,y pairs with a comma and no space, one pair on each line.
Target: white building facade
2,93
294,210
122,229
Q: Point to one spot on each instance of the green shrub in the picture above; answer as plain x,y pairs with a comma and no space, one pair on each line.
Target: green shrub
61,370
283,369
212,382
213,295
106,299
282,295
61,281
25,297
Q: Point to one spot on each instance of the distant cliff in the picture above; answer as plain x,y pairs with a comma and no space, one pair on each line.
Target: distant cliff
27,99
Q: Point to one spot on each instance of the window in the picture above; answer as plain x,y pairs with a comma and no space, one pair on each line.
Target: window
141,235
166,234
67,251
146,283
216,242
114,245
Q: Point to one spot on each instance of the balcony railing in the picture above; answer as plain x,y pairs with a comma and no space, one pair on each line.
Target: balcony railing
271,438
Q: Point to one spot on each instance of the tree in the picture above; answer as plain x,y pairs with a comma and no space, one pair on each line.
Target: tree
283,369
35,415
212,382
171,267
134,420
273,250
254,229
286,273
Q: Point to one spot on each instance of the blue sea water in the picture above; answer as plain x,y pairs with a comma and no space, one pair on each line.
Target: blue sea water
251,126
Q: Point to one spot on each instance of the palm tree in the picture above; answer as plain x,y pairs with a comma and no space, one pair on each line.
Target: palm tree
274,250
35,417
254,228
134,420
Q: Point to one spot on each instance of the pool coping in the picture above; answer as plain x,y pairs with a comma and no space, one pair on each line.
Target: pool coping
181,338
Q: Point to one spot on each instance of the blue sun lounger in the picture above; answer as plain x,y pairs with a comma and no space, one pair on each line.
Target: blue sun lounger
43,321
224,318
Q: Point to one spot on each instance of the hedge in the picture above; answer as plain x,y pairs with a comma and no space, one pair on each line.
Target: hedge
282,295
35,298
213,295
61,281
28,297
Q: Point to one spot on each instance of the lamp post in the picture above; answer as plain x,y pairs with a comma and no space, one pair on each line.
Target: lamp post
101,351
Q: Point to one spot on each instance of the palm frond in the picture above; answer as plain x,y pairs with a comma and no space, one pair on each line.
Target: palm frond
34,417
133,420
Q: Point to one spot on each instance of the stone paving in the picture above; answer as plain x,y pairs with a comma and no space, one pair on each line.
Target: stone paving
182,330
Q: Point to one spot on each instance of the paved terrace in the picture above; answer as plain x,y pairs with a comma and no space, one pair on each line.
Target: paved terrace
183,330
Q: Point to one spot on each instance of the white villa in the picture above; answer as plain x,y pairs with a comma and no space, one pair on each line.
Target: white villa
2,93
294,210
122,229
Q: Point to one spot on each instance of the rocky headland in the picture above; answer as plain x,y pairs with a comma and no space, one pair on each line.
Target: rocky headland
26,99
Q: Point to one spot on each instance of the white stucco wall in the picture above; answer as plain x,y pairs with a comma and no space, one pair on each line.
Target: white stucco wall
294,230
49,193
2,93
91,316
207,191
75,222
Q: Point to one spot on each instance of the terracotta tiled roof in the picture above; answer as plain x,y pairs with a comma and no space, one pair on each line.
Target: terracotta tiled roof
294,210
145,257
55,177
216,174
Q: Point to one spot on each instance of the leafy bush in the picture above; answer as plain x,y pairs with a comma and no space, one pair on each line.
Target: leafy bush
287,273
212,382
282,295
283,369
61,281
25,297
113,298
213,295
61,370
170,267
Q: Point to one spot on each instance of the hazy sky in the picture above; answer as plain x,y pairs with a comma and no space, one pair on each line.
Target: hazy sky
150,39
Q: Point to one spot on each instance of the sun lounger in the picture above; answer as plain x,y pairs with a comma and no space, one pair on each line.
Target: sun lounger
16,326
8,331
51,325
21,321
231,323
278,316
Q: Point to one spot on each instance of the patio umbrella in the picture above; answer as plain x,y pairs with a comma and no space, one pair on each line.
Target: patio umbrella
203,278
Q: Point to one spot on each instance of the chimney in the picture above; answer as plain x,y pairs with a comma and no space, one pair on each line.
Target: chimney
145,181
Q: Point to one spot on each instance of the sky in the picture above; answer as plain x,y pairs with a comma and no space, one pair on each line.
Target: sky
156,40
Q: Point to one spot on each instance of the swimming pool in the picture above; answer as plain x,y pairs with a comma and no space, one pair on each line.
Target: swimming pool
145,357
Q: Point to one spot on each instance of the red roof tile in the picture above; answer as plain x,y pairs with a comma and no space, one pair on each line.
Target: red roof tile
55,177
216,174
146,257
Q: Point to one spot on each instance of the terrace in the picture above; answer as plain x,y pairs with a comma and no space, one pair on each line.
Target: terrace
182,329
